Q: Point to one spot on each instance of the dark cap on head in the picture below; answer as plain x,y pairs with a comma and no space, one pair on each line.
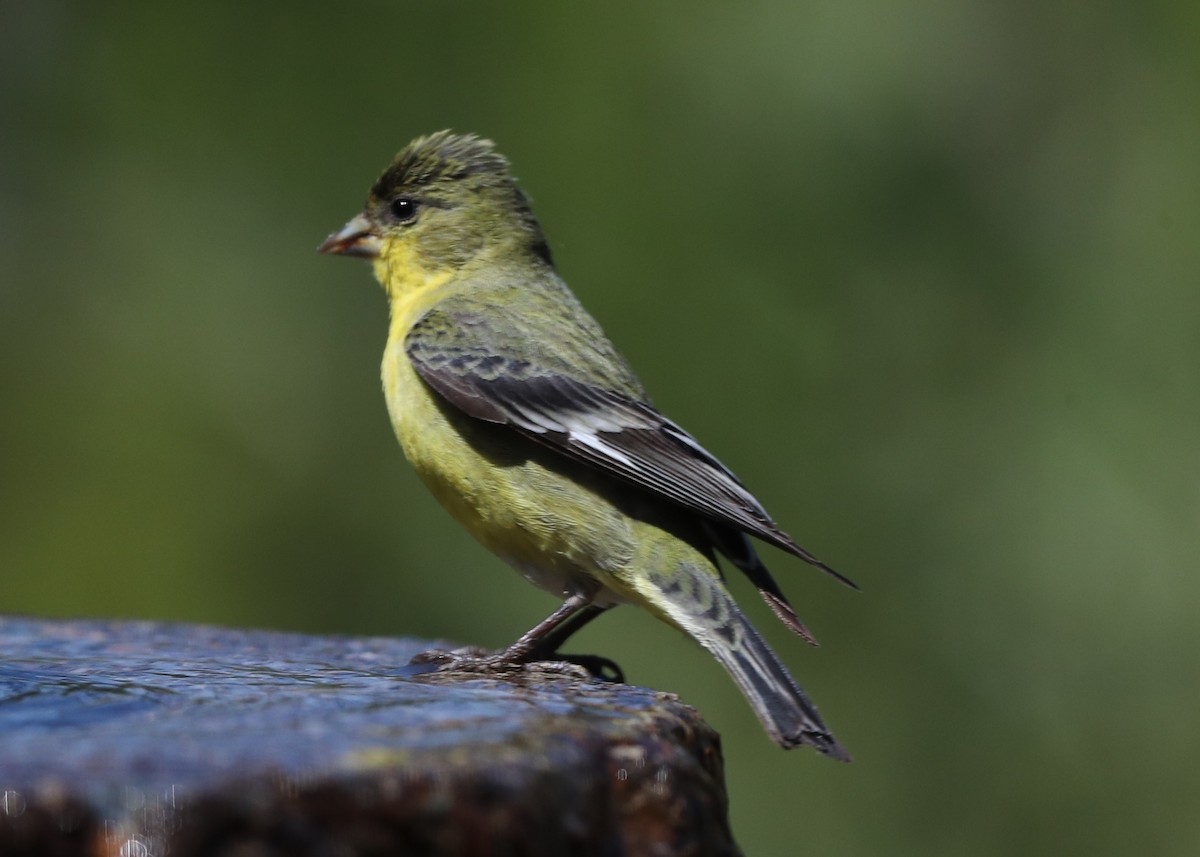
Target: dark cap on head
442,157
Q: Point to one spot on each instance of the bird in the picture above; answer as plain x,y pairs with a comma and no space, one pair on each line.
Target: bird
527,425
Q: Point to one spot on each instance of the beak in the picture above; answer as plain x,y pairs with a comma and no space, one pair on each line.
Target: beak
356,238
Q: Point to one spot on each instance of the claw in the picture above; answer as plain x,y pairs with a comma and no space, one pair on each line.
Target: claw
472,659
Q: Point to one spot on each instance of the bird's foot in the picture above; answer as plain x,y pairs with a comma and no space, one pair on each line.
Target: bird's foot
597,666
473,659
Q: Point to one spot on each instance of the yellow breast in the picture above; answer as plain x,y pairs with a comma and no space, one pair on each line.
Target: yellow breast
535,509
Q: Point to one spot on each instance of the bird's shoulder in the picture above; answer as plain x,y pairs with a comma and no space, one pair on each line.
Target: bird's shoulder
517,324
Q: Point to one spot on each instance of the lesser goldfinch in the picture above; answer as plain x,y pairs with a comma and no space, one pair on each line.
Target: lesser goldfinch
528,426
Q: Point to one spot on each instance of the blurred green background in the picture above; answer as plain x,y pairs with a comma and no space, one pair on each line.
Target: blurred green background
926,275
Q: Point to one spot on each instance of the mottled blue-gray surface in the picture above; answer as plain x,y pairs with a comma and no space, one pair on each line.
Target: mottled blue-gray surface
135,722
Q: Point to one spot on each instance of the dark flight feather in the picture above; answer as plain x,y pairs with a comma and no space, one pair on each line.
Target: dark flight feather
625,438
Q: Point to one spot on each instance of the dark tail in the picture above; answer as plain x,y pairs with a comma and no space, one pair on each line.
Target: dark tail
782,706
698,604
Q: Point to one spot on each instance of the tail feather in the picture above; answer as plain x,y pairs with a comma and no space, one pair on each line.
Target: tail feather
783,707
696,602
741,553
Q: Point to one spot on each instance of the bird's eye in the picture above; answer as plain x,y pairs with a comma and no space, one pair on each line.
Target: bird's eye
403,209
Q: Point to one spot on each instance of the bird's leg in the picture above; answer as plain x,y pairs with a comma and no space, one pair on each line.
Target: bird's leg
539,643
547,648
553,640
546,636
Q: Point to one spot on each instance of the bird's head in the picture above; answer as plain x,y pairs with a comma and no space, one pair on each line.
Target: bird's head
444,200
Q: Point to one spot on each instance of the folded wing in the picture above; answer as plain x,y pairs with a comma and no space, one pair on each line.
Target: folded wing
609,430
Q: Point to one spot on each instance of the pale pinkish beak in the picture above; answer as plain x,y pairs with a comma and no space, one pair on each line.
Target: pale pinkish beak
356,238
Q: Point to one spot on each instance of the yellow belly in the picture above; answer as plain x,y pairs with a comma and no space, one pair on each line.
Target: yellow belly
566,527
543,514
